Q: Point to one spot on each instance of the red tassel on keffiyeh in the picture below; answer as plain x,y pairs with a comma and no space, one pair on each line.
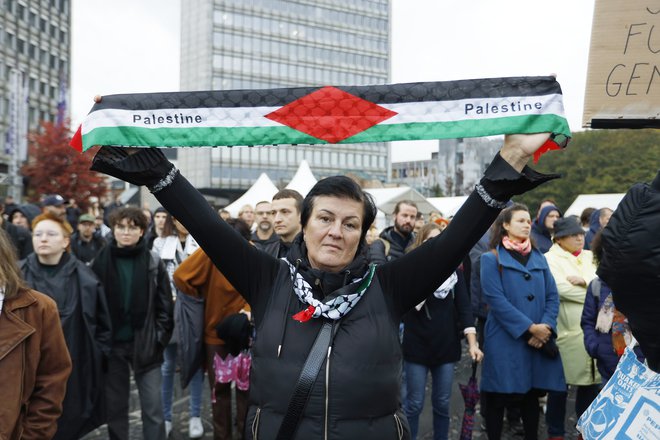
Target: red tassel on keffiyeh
304,315
549,145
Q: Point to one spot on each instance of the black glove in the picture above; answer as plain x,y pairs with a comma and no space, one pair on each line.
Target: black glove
501,181
147,167
235,331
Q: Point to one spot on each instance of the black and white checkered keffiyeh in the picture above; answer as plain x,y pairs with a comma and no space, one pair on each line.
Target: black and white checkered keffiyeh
336,307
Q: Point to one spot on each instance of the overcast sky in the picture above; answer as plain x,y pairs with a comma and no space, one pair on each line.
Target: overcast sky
132,46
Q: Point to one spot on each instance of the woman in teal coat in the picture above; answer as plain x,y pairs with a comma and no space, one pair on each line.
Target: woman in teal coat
521,361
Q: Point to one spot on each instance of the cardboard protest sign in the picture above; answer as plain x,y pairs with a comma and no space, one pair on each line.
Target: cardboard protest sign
623,81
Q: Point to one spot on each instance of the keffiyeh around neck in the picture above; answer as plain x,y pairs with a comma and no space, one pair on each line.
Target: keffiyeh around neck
336,305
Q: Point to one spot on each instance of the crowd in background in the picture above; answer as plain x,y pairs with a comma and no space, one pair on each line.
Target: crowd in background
526,301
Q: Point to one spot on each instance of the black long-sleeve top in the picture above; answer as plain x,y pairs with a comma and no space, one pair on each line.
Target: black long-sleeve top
405,281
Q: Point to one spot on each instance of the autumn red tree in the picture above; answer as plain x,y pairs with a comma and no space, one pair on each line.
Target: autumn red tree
53,167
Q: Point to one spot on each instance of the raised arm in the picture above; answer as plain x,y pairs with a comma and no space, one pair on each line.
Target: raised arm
417,274
245,267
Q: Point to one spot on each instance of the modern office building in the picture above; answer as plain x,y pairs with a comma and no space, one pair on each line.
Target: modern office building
249,44
35,54
452,171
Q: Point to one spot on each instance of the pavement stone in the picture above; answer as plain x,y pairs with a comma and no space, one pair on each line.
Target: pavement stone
462,374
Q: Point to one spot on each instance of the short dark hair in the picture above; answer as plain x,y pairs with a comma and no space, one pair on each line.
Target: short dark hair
290,194
130,213
342,187
586,215
240,226
397,207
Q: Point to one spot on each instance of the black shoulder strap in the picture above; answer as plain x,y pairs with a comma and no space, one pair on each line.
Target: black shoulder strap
303,388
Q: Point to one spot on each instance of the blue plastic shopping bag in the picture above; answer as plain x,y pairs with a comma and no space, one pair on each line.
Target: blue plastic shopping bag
628,407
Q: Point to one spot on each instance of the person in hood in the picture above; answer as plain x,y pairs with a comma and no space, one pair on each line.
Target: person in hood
22,215
597,222
326,287
85,321
20,237
543,226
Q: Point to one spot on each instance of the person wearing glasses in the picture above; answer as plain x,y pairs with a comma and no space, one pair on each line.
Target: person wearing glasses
138,293
52,270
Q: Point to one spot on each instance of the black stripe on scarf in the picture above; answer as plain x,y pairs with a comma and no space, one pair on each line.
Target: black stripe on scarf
379,94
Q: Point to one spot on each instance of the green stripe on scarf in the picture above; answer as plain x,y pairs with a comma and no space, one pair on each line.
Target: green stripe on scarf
417,111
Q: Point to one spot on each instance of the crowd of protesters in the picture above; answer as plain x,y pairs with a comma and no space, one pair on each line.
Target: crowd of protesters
526,302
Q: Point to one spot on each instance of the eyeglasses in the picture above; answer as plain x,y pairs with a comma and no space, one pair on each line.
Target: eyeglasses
127,228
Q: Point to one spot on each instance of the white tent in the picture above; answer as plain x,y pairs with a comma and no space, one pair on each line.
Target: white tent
387,198
303,180
594,201
448,206
262,189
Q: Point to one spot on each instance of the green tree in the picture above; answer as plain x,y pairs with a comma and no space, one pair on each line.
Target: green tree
597,162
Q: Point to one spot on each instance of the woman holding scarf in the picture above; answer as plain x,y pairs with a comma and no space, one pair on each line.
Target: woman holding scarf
521,362
432,343
327,359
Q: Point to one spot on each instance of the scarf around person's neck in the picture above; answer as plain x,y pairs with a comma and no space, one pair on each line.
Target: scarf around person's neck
105,267
522,247
339,292
330,115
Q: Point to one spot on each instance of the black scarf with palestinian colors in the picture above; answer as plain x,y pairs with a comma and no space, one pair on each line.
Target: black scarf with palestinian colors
329,115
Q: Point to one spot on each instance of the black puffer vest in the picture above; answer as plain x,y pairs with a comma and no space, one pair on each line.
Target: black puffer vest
356,394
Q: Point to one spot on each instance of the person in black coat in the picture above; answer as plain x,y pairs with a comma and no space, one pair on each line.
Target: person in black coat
139,297
630,262
85,320
432,344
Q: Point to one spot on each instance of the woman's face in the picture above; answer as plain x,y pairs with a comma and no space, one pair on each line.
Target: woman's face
48,239
519,227
19,219
571,243
332,233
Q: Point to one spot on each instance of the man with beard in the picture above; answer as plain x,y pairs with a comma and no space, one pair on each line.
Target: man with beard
394,240
264,235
